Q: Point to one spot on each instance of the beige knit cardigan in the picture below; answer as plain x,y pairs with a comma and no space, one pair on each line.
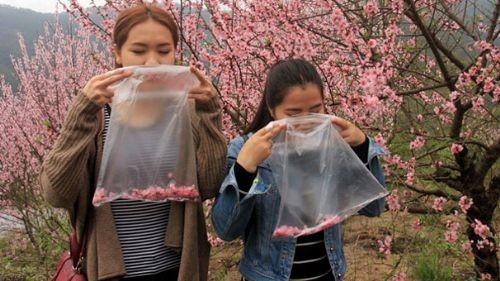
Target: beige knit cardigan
68,178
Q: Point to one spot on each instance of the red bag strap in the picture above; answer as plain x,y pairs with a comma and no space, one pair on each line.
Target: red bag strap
77,250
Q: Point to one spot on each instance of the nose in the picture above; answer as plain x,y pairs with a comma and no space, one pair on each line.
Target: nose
152,59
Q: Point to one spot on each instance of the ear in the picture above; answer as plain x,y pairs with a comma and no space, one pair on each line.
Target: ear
118,56
271,112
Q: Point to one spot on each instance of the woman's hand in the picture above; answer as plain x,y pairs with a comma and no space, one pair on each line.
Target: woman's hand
349,132
258,148
97,89
203,92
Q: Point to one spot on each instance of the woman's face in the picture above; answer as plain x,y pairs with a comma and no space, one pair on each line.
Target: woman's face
148,43
300,100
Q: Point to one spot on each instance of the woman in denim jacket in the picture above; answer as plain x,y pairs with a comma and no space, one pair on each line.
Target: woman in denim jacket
248,203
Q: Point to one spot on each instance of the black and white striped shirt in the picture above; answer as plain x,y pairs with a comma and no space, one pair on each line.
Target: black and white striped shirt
141,228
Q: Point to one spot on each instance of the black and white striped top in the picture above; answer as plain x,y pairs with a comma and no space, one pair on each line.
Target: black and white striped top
141,228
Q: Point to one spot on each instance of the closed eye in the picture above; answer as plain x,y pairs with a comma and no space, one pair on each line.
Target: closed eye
316,108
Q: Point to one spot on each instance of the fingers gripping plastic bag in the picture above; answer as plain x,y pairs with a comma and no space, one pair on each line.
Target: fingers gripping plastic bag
321,180
149,153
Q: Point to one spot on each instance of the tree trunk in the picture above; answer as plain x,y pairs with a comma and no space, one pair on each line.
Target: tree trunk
486,260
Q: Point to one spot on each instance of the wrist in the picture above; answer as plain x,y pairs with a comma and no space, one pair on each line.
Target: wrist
246,164
360,141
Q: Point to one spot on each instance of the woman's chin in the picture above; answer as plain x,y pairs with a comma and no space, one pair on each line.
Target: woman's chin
138,118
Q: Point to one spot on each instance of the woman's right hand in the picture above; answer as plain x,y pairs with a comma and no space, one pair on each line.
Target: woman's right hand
258,147
97,89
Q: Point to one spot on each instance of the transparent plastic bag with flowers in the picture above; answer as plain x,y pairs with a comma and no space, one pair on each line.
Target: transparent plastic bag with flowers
321,180
149,153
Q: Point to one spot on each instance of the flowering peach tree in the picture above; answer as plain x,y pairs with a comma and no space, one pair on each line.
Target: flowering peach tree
420,76
32,115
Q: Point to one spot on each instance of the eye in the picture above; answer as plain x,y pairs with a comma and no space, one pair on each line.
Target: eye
138,52
316,109
292,113
164,52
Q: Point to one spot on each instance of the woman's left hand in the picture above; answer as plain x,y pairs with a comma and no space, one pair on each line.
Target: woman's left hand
205,91
351,134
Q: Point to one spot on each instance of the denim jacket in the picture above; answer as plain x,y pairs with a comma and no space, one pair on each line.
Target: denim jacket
266,258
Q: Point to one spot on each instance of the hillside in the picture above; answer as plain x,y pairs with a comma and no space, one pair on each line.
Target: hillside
15,21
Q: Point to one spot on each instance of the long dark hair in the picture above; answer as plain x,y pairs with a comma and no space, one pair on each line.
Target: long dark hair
281,77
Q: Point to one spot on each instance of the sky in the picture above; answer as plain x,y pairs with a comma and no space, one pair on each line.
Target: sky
44,6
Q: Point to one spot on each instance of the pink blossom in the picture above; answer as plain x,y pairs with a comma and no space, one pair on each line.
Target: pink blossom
451,233
379,139
478,103
454,95
284,231
372,43
151,193
401,276
482,45
480,229
485,243
384,246
416,224
326,222
411,42
214,240
456,148
449,107
437,110
370,8
486,276
393,201
467,247
372,101
417,143
488,85
496,94
465,203
410,171
438,204
100,196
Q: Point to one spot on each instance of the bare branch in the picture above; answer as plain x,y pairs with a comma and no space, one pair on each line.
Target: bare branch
489,158
494,19
414,16
416,91
460,23
428,211
436,192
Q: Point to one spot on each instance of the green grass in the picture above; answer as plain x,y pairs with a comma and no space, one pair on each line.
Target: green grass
428,267
23,262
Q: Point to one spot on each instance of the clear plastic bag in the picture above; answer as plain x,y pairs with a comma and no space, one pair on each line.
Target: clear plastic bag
320,179
149,152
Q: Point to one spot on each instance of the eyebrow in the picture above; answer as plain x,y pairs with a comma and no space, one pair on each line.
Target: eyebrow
139,44
299,109
316,106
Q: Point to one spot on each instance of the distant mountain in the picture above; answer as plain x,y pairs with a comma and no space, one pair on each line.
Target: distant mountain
29,24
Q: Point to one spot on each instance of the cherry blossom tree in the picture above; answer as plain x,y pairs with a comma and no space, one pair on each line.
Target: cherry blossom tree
32,116
420,76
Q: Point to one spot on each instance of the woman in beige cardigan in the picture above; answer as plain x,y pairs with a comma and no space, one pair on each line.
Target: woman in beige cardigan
143,35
